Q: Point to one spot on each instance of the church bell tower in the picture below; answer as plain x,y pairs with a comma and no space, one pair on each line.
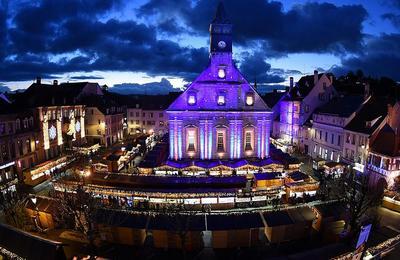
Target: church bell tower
220,32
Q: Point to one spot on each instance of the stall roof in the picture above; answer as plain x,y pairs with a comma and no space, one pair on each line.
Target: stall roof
301,214
177,222
166,181
277,218
298,176
265,162
234,221
266,176
335,210
207,164
235,163
43,204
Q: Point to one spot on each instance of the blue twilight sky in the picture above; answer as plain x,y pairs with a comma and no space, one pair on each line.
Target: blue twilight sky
142,42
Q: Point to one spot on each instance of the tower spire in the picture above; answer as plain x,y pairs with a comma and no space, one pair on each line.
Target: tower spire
220,15
220,32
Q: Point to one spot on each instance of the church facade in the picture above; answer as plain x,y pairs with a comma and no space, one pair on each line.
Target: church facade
220,115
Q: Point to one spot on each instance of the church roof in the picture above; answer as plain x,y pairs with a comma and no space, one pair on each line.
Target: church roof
207,88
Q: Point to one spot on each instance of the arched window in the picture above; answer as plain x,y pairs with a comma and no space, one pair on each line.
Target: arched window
31,122
17,124
248,140
191,140
221,140
25,123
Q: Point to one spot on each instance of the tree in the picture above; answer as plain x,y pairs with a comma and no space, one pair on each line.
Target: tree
180,216
361,200
12,204
78,210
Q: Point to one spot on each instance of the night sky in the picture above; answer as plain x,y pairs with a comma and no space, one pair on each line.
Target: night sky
116,42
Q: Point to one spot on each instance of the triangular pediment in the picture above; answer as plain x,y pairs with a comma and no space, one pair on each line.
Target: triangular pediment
209,86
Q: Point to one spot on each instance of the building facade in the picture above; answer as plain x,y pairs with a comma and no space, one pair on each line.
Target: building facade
19,147
383,162
61,127
104,126
362,129
291,130
147,121
328,123
220,115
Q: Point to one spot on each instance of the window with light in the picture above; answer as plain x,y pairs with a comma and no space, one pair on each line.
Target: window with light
221,100
192,99
220,142
248,144
221,73
249,99
191,141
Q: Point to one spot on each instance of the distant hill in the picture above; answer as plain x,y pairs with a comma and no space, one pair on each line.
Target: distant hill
4,89
153,88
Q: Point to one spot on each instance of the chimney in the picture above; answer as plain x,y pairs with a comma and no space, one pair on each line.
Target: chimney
38,80
55,82
291,82
315,77
366,90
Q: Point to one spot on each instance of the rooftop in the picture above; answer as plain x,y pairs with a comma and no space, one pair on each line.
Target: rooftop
387,142
370,116
342,106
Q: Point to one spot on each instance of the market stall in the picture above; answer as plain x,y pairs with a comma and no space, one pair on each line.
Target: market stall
41,172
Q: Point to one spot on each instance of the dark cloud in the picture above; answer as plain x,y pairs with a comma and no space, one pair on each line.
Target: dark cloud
296,72
310,27
3,30
84,77
254,67
381,57
393,18
49,37
170,27
87,43
394,3
153,88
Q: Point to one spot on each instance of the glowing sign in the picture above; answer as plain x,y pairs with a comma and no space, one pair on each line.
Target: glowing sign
52,132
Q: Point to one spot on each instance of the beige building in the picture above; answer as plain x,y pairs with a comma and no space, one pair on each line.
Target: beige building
104,126
328,122
144,120
359,132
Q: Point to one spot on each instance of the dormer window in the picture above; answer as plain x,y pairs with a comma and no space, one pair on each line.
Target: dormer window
221,100
192,99
249,99
221,73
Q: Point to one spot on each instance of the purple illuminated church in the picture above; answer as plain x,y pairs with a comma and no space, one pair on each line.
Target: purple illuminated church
220,115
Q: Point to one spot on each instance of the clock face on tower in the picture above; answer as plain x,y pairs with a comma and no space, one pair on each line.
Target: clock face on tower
221,44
